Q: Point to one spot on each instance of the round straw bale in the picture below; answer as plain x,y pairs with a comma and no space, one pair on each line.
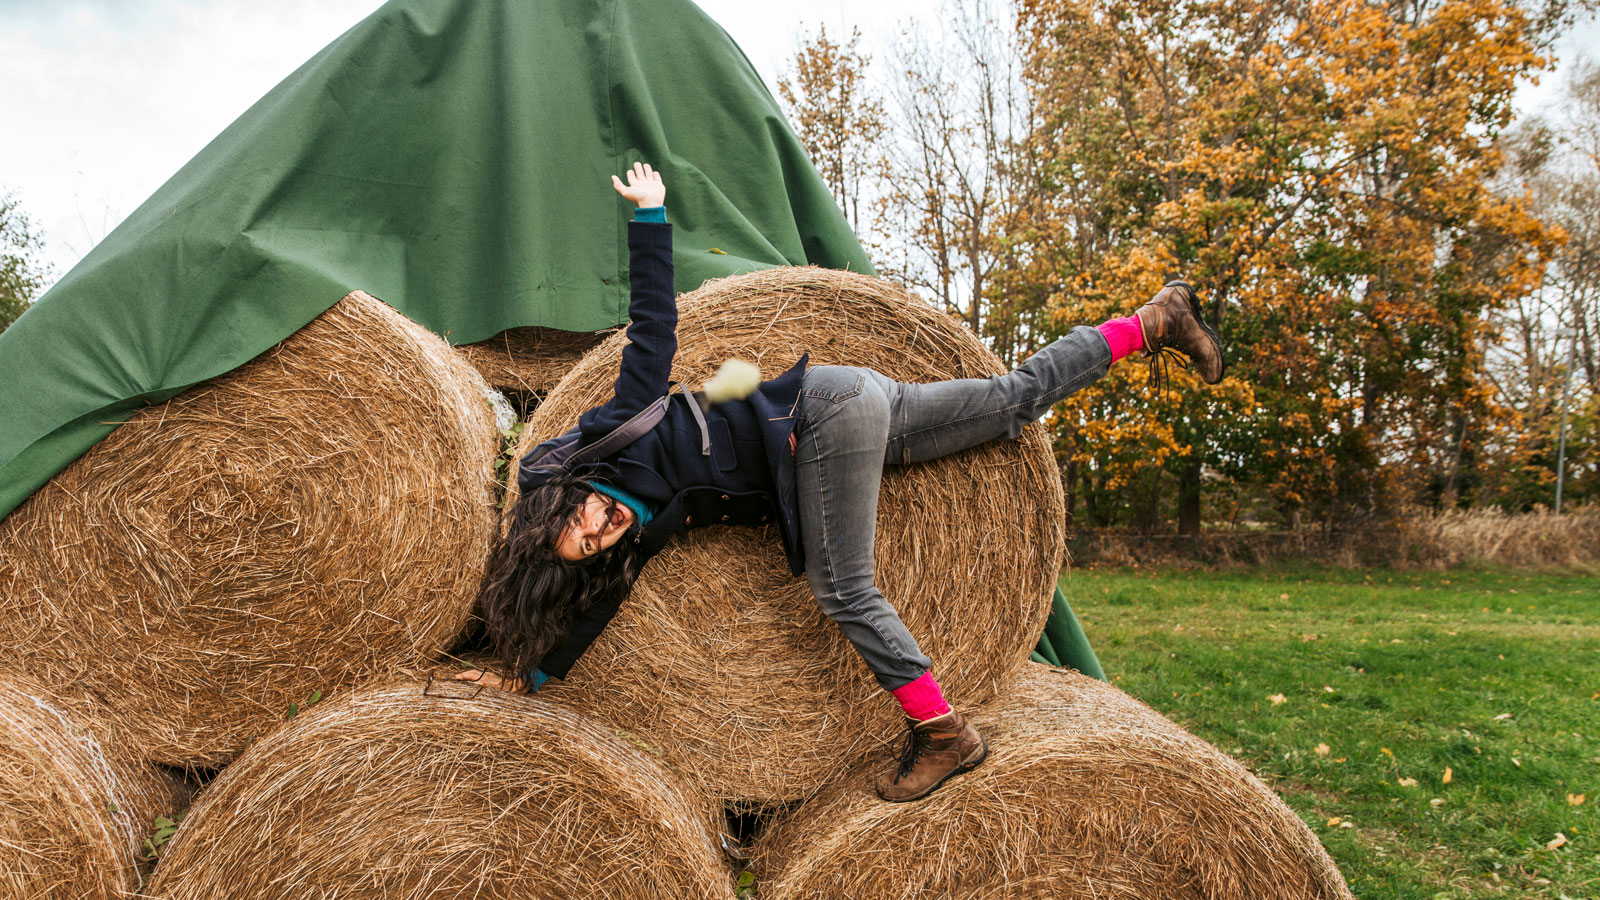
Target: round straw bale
75,804
445,790
311,519
720,655
1086,793
529,360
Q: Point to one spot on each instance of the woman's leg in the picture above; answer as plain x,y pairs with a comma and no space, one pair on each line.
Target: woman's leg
852,421
839,452
928,421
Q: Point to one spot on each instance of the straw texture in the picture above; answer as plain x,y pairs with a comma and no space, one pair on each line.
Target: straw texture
720,657
1086,793
74,803
312,519
529,360
445,790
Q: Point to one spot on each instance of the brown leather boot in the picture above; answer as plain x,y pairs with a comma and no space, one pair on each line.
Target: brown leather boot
1172,319
934,752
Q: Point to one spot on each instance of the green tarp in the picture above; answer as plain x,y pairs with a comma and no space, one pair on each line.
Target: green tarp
1064,643
451,157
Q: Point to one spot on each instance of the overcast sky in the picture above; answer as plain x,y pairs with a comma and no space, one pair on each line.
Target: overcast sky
103,100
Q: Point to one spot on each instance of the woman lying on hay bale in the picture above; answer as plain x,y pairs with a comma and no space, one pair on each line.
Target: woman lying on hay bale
805,449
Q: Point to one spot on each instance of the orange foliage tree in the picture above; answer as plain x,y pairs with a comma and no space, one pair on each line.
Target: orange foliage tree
1321,170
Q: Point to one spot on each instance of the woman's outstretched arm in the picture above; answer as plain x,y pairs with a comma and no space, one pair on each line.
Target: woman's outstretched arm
652,309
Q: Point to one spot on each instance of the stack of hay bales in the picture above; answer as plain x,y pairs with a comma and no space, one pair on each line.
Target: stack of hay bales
720,656
319,519
446,790
75,801
304,523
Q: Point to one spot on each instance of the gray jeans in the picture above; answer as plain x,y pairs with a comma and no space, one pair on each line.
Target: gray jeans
854,421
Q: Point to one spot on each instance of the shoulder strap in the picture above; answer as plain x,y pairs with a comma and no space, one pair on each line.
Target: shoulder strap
623,435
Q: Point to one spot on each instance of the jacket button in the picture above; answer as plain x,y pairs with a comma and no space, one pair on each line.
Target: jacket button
724,496
724,518
688,520
763,518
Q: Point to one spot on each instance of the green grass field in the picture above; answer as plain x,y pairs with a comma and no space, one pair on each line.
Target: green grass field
1439,731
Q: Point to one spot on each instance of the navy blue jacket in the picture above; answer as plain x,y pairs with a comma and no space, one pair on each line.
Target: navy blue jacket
748,476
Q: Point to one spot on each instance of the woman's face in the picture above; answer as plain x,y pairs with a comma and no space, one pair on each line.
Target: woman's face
597,525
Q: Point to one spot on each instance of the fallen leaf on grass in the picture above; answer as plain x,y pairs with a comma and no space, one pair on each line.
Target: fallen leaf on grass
1408,782
1448,776
1326,689
1559,841
1436,802
1323,749
1347,824
1504,716
1308,638
1576,799
1386,752
1516,762
1277,698
1283,596
1334,822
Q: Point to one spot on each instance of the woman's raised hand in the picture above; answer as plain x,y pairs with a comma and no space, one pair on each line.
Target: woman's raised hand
644,186
490,679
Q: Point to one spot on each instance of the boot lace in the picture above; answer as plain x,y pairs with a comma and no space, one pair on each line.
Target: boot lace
911,750
1160,366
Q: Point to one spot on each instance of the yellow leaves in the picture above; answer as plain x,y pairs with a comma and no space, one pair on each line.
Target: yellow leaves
1407,782
1323,750
1575,799
1386,752
1556,843
1447,777
1277,699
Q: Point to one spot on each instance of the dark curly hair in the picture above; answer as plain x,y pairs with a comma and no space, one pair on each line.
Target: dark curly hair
530,594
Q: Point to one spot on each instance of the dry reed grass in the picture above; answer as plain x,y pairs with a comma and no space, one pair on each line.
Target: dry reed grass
305,522
1413,539
1534,539
1086,793
448,790
720,656
529,360
75,804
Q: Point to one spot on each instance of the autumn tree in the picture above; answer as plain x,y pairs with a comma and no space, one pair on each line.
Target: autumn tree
22,276
961,173
837,118
1543,356
1321,170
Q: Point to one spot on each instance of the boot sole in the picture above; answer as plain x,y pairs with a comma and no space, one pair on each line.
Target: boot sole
967,765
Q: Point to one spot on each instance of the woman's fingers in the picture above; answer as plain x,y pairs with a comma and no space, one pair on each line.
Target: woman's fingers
486,678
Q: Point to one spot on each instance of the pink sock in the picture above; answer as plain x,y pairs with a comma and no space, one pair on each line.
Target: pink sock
1124,335
921,699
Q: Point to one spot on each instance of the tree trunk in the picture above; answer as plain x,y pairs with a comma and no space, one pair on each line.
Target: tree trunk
1189,498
